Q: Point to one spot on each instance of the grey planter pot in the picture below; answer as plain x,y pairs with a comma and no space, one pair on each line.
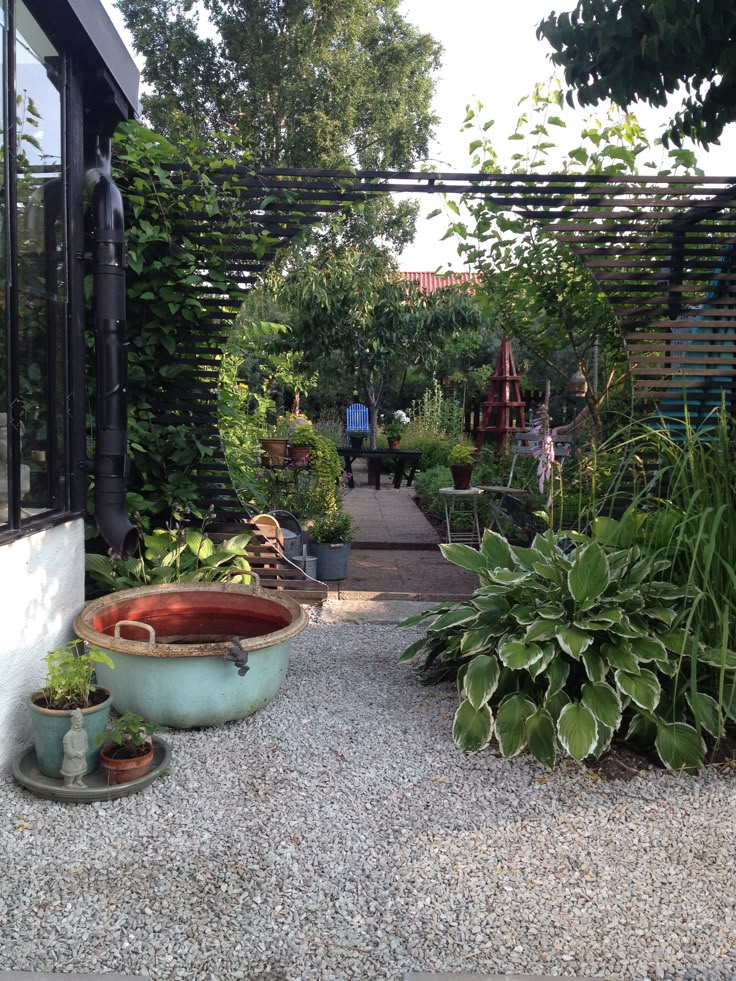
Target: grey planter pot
332,560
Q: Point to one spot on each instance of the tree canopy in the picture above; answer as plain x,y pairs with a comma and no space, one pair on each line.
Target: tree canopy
307,83
626,50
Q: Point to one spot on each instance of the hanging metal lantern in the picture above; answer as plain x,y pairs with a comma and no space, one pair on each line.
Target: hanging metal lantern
578,385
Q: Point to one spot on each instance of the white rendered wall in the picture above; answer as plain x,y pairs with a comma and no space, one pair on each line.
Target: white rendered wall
41,591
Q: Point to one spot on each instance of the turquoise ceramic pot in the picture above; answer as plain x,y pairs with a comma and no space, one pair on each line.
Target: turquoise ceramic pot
51,725
181,649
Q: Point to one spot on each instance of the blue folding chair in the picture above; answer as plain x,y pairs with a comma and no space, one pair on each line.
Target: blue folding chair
357,419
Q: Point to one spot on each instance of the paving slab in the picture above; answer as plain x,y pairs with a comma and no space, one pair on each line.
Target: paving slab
388,516
421,574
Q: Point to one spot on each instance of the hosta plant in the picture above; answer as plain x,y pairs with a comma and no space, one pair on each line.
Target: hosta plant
565,644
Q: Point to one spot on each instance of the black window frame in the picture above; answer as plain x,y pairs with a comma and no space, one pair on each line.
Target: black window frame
73,493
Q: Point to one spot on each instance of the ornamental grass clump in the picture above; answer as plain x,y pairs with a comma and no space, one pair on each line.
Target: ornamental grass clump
567,644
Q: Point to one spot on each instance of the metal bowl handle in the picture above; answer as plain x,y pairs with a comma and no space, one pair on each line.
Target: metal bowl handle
136,623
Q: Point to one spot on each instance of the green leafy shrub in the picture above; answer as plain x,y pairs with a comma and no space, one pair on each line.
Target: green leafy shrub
564,646
334,527
175,554
438,415
427,484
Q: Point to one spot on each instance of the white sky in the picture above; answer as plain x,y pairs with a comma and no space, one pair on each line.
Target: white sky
492,56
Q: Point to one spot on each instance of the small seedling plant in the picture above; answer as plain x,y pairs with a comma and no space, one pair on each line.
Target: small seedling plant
69,674
128,736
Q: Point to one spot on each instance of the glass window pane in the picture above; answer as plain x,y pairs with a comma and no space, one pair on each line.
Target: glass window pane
3,293
41,275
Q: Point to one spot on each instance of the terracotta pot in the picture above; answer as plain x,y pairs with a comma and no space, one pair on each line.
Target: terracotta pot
125,770
461,474
299,455
393,444
273,452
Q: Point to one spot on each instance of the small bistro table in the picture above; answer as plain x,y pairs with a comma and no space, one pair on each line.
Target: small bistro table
471,496
401,458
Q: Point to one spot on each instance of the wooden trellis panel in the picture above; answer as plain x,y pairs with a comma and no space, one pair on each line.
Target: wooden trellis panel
661,249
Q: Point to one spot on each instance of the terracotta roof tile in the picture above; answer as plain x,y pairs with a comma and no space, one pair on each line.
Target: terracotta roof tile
429,282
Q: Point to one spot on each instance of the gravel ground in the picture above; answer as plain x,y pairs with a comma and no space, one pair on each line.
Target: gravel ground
338,835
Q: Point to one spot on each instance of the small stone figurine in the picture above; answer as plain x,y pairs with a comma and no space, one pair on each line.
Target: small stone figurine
75,744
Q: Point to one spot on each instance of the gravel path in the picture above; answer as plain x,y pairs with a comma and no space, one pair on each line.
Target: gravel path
338,835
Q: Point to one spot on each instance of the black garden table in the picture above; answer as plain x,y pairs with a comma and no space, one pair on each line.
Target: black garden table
401,458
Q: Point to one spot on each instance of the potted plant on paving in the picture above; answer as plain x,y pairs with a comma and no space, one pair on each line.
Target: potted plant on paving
69,687
460,460
128,754
394,430
331,538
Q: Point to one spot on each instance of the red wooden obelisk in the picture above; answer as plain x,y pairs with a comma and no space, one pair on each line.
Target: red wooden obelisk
503,411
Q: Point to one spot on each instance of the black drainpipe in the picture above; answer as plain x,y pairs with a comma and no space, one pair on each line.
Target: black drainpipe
109,258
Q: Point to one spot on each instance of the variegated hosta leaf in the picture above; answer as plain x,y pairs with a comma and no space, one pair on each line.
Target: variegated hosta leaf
643,689
647,649
541,737
524,615
551,612
496,551
540,630
472,728
679,746
490,604
661,613
577,730
477,640
460,680
595,667
516,654
481,679
511,724
641,731
556,703
605,738
706,712
603,702
525,557
624,628
461,614
619,656
413,650
557,673
573,641
466,557
589,575
718,658
549,652
507,577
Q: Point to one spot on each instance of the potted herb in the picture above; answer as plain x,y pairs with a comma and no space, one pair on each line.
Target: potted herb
331,538
394,430
128,754
460,460
68,687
